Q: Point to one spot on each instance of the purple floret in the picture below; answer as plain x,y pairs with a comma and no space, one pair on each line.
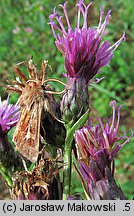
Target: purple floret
9,115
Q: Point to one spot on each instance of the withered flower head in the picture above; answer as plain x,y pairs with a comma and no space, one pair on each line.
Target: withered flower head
38,107
42,183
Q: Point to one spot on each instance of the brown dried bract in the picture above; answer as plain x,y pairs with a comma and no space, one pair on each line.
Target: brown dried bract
37,184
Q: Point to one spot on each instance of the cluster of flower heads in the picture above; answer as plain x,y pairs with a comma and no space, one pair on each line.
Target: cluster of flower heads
9,115
85,53
83,49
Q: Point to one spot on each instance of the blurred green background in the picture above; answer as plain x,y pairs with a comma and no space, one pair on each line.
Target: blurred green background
24,32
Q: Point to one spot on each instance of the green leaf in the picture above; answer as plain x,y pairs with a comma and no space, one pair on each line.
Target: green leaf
6,174
81,122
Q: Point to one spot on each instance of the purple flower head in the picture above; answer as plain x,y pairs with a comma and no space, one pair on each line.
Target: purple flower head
83,49
101,139
96,148
9,115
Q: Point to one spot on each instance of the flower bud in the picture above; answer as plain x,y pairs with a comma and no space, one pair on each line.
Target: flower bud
75,101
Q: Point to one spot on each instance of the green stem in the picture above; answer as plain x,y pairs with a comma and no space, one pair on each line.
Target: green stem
67,156
6,175
67,169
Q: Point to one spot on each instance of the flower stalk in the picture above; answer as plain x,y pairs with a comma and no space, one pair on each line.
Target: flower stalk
67,155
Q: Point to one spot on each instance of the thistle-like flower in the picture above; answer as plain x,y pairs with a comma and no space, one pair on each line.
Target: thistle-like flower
85,53
96,148
9,115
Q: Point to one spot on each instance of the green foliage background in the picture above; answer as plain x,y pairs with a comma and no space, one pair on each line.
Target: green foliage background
18,44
